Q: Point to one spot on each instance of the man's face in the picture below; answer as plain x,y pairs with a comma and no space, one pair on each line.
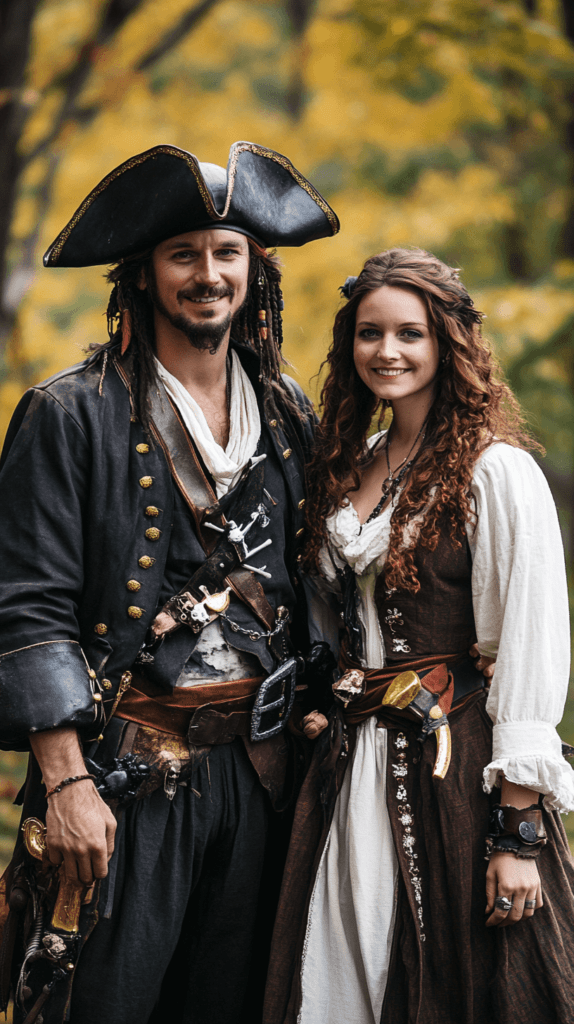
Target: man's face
198,282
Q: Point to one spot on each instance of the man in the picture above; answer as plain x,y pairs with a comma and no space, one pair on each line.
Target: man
152,497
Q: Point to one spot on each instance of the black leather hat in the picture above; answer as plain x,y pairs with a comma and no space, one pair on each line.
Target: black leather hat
166,191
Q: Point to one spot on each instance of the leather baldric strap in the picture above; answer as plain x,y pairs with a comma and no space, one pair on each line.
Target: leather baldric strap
221,566
181,456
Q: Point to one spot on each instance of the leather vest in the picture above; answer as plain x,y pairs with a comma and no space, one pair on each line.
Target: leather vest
440,618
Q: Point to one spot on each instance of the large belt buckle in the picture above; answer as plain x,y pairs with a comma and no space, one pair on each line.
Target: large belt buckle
407,691
276,694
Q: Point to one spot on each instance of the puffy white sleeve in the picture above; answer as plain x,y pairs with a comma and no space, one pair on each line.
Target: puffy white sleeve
521,613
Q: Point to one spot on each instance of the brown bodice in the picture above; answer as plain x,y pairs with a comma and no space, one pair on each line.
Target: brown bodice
437,620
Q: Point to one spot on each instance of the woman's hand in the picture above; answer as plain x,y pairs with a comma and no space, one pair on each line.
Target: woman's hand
484,664
313,724
516,878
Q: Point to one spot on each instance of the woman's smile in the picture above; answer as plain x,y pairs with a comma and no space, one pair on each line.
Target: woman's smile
383,372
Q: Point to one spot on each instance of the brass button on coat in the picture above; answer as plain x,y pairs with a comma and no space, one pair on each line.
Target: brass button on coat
134,612
301,503
145,562
143,449
97,698
287,453
272,423
300,532
151,510
153,533
146,481
106,684
101,629
133,585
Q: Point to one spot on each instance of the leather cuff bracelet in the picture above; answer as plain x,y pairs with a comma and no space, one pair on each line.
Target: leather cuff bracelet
516,831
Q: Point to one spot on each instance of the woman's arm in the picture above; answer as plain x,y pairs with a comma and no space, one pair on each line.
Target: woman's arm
516,878
521,614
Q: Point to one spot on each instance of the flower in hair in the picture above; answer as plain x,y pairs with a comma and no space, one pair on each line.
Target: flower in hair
346,289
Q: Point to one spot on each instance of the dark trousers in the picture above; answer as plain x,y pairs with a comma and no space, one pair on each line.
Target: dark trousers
178,945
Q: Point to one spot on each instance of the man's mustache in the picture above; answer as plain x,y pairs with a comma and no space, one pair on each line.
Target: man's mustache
205,293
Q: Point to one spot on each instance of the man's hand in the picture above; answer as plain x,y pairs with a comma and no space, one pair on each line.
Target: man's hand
484,664
80,830
80,827
313,724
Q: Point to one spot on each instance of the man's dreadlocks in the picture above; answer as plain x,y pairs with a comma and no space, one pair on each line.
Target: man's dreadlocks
132,305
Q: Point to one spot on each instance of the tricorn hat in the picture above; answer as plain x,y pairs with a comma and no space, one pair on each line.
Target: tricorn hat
166,191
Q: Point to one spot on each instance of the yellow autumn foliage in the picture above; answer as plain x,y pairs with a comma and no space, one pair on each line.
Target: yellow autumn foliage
225,81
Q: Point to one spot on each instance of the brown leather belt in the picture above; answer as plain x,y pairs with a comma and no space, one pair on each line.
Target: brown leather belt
206,714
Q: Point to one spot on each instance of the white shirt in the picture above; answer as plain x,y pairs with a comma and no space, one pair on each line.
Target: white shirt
520,607
213,659
244,425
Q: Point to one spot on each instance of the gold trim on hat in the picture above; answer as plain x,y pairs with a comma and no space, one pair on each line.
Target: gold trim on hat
283,161
192,162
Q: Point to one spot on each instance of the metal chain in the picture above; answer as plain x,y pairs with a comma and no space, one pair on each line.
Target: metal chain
252,633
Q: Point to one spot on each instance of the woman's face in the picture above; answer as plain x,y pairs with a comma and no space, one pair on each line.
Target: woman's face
396,352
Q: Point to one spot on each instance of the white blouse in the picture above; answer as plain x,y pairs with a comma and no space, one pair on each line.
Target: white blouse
520,607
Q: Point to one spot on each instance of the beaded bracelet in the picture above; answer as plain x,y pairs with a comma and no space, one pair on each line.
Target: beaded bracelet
68,782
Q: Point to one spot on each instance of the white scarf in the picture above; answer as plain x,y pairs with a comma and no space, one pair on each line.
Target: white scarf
244,425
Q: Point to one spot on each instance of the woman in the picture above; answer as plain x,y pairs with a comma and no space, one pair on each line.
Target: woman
418,888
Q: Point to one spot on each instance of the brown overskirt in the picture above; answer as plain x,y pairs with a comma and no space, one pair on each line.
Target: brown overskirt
446,966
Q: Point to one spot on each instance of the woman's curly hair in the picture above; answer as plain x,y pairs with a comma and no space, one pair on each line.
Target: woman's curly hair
472,407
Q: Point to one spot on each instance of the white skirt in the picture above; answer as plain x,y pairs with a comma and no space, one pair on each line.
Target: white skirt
351,914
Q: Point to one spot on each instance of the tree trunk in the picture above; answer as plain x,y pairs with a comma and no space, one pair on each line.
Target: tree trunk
16,19
299,13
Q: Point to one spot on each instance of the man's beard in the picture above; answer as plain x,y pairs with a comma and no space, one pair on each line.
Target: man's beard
205,335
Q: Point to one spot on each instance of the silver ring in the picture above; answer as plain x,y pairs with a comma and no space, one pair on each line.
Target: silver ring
529,904
503,903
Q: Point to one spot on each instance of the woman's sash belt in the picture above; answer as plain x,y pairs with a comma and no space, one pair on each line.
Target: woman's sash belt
452,677
206,714
423,689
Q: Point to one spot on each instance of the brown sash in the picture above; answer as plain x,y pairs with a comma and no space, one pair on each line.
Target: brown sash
172,712
438,680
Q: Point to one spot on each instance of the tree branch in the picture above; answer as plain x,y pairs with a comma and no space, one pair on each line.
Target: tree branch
113,17
171,38
561,339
